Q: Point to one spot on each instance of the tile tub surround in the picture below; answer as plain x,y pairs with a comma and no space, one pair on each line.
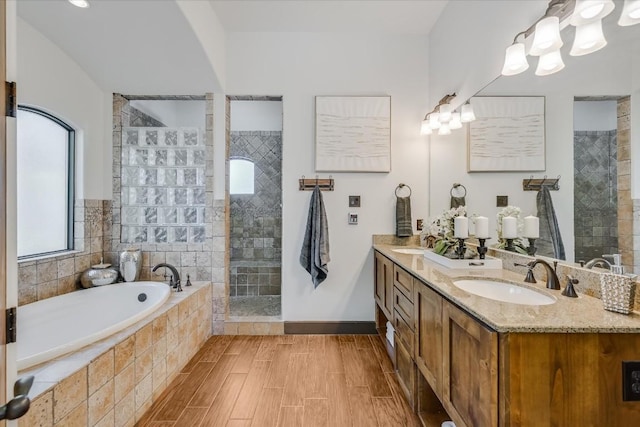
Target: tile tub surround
114,381
583,314
202,261
56,275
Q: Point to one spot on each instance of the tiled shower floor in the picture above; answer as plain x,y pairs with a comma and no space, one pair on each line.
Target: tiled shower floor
252,306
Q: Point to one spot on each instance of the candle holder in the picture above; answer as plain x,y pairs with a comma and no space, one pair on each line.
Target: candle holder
482,249
510,246
460,250
531,250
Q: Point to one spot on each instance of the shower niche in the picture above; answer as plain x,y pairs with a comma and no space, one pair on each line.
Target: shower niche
255,199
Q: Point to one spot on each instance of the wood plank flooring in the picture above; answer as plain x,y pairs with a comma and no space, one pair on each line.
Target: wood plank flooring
285,380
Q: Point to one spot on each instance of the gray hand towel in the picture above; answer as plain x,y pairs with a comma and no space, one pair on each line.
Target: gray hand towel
403,217
550,241
314,255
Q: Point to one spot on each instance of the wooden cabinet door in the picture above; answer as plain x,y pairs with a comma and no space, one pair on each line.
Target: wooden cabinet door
428,337
470,377
384,284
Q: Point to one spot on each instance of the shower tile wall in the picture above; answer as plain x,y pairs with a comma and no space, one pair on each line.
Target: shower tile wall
256,219
163,185
595,194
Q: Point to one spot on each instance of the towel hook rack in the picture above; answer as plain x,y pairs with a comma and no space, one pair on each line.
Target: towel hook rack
532,184
400,187
308,184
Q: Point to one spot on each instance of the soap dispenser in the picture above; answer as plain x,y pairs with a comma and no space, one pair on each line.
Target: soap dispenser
616,263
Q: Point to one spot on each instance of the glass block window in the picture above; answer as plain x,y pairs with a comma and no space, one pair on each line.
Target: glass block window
163,185
241,175
45,177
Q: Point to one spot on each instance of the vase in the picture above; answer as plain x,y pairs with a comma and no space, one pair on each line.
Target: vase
130,264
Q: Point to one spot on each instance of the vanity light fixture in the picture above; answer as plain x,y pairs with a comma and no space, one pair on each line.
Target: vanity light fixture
444,129
630,13
585,15
467,114
80,3
455,122
444,119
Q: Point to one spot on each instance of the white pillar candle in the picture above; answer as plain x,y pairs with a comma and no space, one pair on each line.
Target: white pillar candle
509,227
531,227
461,227
482,227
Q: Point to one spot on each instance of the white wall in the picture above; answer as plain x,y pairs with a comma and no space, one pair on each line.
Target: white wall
591,75
174,113
300,66
256,116
51,80
595,115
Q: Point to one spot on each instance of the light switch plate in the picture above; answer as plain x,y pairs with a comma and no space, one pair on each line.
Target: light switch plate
353,218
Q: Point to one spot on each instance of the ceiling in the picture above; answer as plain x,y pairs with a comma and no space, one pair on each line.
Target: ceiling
341,16
148,46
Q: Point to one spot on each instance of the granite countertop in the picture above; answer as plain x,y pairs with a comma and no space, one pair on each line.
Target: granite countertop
583,314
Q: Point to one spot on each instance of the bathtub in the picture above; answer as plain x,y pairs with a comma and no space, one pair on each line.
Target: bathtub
52,327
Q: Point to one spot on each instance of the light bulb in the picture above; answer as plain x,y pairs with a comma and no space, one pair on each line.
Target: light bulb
444,129
589,38
546,37
455,122
586,11
630,13
515,60
445,113
434,120
467,114
424,128
80,3
549,63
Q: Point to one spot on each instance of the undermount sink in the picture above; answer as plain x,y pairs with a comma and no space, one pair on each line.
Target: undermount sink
409,251
505,292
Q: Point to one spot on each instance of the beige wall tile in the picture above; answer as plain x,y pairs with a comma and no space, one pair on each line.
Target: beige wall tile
68,394
66,267
144,363
100,371
172,318
159,373
231,328
125,411
27,275
124,382
173,357
101,402
67,284
172,338
41,412
144,407
47,289
159,328
159,350
27,294
144,339
77,417
46,271
124,354
106,421
143,391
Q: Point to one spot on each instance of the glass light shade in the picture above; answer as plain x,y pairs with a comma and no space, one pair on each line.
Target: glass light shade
630,13
587,11
589,38
445,113
424,128
444,129
455,122
80,3
467,114
549,63
546,37
434,120
515,60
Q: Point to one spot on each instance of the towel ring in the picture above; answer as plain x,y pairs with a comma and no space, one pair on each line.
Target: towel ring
455,186
400,186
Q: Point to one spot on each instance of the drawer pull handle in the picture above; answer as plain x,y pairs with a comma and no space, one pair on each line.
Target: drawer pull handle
476,264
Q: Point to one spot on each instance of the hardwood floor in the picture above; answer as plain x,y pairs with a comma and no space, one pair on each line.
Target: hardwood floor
285,380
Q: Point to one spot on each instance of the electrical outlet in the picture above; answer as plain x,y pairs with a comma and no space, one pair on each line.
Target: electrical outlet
419,224
630,380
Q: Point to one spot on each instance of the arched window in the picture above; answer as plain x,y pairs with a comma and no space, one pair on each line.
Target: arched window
241,172
45,177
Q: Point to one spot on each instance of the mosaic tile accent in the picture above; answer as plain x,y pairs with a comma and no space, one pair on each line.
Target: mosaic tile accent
162,166
595,194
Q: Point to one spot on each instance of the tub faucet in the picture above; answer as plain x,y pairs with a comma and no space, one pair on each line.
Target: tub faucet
552,278
174,281
601,262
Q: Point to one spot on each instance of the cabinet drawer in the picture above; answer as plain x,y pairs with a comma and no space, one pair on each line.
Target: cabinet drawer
406,370
404,307
403,281
403,331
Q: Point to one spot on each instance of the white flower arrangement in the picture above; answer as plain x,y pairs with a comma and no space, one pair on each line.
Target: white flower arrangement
442,228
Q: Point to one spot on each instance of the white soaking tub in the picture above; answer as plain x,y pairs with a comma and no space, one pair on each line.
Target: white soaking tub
52,327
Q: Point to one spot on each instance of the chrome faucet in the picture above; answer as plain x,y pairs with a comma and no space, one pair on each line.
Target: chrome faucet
598,262
552,278
174,281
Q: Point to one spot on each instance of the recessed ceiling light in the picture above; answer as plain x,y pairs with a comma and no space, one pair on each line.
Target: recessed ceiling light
80,3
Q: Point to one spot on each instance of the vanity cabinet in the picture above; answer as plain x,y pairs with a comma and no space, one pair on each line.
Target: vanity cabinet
428,336
470,369
384,284
404,325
